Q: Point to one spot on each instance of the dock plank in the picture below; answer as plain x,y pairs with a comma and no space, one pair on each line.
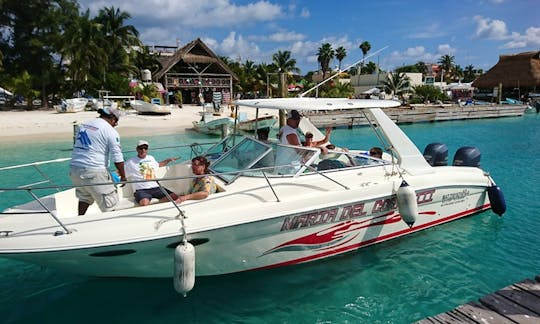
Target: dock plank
516,303
510,309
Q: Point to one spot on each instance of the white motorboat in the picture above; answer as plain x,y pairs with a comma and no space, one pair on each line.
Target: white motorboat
71,105
98,104
214,125
273,213
251,125
150,108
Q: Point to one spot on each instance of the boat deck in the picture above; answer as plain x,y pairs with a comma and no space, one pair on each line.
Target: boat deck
517,303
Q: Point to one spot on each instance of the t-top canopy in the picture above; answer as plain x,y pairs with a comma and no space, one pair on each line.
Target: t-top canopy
317,103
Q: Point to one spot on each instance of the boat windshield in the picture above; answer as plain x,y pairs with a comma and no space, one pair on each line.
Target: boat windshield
251,157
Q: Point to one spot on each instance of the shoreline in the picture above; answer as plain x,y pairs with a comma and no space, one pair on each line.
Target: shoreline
27,126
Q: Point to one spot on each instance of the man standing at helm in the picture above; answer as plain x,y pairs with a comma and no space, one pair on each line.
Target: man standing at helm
96,143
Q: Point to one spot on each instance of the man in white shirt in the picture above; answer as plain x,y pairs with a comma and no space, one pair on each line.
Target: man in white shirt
287,133
96,143
288,136
144,167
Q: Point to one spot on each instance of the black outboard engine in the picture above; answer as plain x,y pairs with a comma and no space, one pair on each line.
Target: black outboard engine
436,154
467,156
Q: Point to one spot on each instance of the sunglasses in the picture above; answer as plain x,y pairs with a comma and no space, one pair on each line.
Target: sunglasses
142,147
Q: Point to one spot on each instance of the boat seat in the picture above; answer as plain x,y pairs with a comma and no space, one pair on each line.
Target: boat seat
329,164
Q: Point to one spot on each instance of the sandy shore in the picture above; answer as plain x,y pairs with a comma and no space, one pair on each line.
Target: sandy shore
45,125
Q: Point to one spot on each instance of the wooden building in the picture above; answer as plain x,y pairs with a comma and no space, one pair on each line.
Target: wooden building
517,73
194,69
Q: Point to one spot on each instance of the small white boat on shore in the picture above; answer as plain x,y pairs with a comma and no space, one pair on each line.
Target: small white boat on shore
71,105
150,108
98,104
283,205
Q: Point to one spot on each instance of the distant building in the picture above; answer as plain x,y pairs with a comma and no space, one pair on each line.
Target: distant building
518,74
194,69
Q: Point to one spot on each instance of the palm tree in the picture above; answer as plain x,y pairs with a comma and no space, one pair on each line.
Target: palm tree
118,37
341,53
447,64
284,62
83,50
325,55
365,47
397,84
421,67
469,73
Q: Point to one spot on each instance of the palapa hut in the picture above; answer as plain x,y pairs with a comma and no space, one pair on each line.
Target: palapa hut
519,72
194,69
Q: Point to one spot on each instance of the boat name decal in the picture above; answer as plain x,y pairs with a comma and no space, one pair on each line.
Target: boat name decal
348,212
454,197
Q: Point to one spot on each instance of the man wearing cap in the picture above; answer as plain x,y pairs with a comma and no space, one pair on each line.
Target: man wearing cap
95,144
144,167
287,133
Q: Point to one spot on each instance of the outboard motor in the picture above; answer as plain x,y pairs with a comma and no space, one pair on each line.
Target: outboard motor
436,154
467,156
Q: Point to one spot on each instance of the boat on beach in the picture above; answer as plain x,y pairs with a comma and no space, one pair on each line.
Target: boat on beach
282,205
151,108
71,105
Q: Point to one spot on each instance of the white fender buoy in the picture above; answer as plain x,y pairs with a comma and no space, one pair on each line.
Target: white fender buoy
407,205
184,268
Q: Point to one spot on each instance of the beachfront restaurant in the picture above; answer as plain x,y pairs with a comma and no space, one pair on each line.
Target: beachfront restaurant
193,69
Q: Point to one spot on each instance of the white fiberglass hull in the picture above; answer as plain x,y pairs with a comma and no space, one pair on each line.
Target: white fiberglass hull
143,107
245,228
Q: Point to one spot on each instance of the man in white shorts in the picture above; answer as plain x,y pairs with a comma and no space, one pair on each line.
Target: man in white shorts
144,167
96,143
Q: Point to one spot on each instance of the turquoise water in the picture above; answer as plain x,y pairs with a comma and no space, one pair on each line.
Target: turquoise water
399,281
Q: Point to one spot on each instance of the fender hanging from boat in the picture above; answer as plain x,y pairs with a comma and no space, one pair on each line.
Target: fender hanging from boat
496,199
184,268
407,204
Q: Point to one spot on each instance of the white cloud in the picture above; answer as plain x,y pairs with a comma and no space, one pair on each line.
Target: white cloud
446,49
305,13
497,30
430,31
235,47
193,13
490,29
530,39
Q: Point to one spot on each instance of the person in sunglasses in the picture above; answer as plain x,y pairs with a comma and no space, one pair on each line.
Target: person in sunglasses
144,167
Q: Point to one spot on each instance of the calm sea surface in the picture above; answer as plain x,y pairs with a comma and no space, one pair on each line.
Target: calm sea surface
399,281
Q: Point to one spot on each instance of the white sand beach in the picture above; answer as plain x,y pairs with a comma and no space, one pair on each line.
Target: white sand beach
28,126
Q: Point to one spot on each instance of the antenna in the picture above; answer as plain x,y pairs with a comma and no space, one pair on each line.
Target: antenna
337,73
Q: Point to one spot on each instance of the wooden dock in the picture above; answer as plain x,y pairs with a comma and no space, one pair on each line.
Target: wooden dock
517,303
417,114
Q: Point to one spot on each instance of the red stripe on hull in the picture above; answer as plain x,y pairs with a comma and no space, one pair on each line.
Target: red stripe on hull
375,240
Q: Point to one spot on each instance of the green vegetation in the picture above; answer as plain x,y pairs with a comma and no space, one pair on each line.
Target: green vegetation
61,51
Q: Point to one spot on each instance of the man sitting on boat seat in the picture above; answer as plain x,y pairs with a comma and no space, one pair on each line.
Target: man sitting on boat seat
375,152
144,167
203,185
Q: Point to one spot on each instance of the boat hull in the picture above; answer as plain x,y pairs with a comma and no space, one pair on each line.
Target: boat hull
147,108
285,235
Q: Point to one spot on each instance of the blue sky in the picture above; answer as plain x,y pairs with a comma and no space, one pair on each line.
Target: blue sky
473,31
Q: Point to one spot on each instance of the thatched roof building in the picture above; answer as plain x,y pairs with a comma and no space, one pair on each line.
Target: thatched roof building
195,69
520,70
